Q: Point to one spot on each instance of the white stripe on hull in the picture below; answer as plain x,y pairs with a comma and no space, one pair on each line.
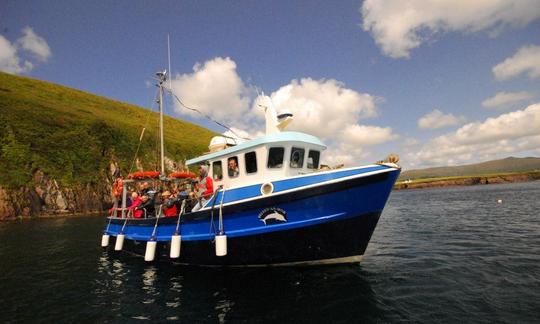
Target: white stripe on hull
351,259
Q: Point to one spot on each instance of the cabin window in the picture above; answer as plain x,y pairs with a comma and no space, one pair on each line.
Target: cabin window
313,159
251,162
275,157
297,157
217,171
232,167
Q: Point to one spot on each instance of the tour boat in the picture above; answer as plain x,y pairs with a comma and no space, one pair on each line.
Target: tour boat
281,207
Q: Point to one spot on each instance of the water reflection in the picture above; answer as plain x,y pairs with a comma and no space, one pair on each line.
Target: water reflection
150,290
168,292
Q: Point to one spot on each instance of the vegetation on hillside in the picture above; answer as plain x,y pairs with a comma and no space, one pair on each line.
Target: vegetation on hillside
73,136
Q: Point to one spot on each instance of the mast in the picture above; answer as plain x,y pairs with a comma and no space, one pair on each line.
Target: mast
162,75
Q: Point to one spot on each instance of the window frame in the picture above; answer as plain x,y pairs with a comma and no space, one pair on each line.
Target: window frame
214,163
246,162
237,165
282,157
295,149
318,159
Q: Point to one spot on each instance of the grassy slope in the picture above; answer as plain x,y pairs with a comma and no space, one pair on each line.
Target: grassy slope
73,135
503,166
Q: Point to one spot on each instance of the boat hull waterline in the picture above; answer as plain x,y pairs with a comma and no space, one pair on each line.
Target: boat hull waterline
321,218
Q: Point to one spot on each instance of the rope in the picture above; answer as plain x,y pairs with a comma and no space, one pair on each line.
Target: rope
212,227
208,117
125,222
221,212
108,225
182,208
153,236
142,133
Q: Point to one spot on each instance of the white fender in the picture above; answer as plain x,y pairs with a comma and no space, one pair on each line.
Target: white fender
105,240
176,241
150,253
119,242
221,245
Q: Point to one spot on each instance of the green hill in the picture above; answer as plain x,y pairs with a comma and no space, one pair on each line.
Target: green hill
508,165
73,135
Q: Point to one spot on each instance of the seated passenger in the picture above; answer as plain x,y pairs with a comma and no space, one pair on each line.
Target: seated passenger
146,189
179,196
233,167
136,201
147,206
169,205
191,201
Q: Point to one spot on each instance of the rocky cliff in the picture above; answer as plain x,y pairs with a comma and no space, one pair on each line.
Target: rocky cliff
46,197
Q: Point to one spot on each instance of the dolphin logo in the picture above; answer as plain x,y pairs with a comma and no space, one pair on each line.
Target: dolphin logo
272,216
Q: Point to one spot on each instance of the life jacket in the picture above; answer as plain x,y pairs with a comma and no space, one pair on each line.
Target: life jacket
118,187
171,211
137,213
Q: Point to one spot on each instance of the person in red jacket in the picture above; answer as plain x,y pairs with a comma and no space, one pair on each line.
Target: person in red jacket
169,205
136,201
205,187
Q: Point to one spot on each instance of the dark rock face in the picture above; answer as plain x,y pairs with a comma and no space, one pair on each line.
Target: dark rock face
46,197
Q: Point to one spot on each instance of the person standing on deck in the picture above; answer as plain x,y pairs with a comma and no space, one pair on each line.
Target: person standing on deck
205,187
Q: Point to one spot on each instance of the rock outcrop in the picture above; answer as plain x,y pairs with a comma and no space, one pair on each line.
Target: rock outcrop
47,197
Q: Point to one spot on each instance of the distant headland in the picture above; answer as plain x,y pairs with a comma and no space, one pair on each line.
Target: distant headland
508,170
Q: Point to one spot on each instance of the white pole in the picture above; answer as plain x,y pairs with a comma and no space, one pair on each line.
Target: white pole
161,126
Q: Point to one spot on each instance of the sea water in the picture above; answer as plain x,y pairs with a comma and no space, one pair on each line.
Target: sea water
438,255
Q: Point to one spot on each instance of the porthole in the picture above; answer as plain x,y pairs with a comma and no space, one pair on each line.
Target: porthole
267,188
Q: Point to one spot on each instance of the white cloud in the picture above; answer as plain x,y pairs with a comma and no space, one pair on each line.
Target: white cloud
30,43
506,99
526,60
360,135
400,26
323,107
437,119
9,61
215,89
34,44
329,110
410,141
513,132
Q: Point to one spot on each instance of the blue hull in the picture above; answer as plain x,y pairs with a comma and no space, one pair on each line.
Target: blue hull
327,216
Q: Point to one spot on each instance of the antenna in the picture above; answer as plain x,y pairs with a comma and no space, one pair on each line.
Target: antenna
162,75
169,52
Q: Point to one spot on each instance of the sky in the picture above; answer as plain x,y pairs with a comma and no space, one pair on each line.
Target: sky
444,82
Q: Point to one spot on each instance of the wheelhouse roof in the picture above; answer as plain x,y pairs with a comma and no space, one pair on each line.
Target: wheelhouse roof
272,138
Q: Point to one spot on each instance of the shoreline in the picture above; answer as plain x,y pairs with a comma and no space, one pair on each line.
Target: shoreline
56,215
442,182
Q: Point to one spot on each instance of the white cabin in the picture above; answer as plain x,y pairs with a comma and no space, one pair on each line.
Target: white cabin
267,158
